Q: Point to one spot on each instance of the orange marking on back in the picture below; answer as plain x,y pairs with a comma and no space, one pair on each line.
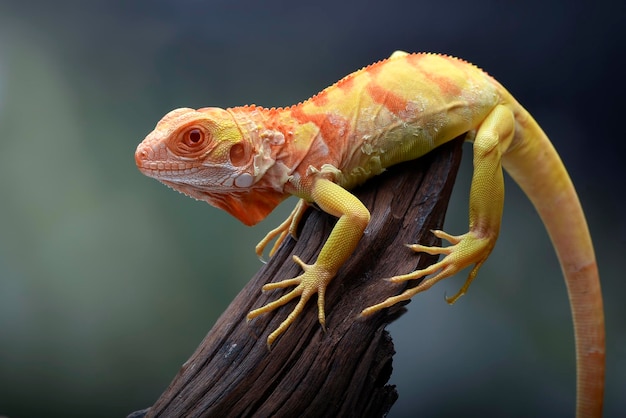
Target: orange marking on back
387,98
375,68
320,99
321,120
333,128
414,59
447,86
346,84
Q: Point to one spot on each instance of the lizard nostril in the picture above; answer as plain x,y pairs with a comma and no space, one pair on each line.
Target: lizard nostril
141,155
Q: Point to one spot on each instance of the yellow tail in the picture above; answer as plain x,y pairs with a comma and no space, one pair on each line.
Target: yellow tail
535,165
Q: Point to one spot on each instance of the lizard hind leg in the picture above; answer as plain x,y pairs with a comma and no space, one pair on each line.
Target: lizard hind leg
486,203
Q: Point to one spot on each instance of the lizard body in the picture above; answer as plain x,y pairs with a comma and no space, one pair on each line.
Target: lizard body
246,160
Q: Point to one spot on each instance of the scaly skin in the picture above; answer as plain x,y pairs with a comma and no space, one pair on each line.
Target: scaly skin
246,160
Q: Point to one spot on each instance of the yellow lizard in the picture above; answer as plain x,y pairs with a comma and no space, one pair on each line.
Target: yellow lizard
246,160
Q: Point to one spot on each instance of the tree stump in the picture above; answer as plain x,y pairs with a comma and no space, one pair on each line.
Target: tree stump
310,372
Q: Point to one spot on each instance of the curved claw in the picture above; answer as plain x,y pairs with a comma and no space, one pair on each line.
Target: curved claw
288,226
280,231
452,239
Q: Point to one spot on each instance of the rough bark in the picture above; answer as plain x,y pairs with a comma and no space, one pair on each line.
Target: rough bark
344,370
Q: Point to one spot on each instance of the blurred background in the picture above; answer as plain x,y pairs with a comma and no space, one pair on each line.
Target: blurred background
109,280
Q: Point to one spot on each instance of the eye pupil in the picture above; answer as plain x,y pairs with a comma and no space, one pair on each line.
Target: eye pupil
195,136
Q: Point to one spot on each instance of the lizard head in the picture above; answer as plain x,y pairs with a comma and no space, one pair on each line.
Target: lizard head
201,148
204,154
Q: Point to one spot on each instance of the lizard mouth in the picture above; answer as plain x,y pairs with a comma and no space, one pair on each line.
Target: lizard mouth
162,170
192,177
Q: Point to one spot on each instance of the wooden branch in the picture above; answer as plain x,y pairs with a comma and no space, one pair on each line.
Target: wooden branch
309,372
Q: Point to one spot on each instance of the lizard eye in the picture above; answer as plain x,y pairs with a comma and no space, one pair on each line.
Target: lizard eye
191,141
193,137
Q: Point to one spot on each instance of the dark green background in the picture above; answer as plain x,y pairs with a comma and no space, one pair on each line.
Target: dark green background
108,280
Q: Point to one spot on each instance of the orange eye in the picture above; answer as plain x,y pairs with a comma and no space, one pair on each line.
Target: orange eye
193,137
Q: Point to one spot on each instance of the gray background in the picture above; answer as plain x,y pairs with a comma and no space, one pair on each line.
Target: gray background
108,280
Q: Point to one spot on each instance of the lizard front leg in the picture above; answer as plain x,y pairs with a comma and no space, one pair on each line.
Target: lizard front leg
486,203
353,219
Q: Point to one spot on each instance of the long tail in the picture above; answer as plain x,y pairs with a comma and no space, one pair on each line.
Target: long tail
535,165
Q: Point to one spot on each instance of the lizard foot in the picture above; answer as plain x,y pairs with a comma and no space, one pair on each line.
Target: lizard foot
313,280
467,249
